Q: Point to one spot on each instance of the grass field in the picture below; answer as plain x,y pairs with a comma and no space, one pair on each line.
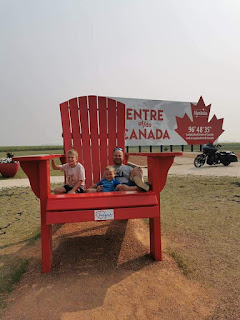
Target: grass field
200,222
200,217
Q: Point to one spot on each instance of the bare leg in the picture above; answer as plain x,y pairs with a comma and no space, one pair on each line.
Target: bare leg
124,187
59,190
94,189
137,176
91,190
136,172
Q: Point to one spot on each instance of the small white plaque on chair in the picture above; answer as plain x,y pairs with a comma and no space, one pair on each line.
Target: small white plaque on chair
104,214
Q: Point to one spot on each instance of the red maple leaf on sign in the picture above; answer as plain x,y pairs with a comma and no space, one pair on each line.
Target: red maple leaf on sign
199,130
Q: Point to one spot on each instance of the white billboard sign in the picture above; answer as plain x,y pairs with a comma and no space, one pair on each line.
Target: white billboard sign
160,122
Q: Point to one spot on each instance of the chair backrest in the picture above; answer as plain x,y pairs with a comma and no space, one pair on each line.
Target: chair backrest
93,126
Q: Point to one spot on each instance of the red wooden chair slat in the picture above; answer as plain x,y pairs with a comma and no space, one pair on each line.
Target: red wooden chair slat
84,119
111,126
102,105
93,113
76,132
121,125
67,136
55,217
106,199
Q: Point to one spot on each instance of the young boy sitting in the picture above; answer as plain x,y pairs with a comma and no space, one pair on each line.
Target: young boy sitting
108,183
75,174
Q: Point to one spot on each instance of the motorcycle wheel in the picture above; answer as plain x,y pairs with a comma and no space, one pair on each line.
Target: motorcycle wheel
226,163
199,160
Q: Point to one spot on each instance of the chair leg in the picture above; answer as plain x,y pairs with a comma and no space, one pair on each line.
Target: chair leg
155,239
46,242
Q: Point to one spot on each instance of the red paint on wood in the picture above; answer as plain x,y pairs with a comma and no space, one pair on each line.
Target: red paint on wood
101,200
67,135
102,105
37,157
155,238
84,118
30,165
76,131
120,125
55,217
46,230
32,171
93,112
112,134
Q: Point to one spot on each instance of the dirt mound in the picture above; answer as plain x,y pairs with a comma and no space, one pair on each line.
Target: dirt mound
104,271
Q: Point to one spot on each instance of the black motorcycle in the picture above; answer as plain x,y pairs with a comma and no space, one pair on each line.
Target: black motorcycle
213,156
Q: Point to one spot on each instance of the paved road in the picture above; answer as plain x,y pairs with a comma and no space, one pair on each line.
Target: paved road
182,166
185,166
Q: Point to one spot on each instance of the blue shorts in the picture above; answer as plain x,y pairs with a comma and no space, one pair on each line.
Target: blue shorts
67,188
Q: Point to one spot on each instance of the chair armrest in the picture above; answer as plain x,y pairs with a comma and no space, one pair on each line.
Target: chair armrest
37,157
37,169
155,154
158,166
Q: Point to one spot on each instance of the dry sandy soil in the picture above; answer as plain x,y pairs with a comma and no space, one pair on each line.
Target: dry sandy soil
104,271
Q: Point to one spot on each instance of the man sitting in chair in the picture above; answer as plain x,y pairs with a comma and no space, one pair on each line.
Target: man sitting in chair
131,179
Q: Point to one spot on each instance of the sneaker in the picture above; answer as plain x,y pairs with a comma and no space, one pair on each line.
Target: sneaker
140,184
150,187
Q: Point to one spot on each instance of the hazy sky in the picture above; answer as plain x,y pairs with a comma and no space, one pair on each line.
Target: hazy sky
54,50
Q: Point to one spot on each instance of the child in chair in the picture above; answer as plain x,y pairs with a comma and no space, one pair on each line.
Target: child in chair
108,183
75,174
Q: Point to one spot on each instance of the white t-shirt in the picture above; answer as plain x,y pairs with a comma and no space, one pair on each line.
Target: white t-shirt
122,173
73,175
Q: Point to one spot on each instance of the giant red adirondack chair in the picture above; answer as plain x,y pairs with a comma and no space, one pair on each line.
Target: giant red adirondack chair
94,126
